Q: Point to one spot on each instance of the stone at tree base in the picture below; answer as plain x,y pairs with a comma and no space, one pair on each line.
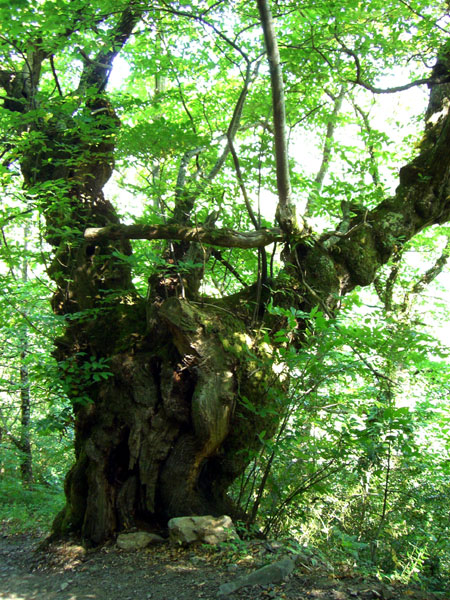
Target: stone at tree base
206,529
137,540
274,573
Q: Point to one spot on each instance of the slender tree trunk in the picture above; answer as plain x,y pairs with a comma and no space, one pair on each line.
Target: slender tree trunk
327,151
26,460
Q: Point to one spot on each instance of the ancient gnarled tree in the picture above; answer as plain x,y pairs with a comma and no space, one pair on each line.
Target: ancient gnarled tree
197,125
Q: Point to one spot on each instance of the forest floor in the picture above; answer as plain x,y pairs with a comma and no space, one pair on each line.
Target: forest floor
66,571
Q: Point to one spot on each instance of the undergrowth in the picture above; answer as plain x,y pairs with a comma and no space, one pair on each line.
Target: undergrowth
28,510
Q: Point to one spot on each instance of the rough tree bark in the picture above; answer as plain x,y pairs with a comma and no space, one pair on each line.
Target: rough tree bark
165,434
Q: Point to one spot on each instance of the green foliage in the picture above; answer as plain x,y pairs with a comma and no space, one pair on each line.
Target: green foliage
79,373
27,380
28,510
359,467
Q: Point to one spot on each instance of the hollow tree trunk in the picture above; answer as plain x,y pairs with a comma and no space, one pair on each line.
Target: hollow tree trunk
162,436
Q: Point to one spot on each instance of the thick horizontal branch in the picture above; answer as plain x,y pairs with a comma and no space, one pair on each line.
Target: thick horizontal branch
215,237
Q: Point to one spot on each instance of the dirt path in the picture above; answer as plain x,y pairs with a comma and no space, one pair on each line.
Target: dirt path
67,572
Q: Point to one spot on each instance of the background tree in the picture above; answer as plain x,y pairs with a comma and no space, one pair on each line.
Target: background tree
167,352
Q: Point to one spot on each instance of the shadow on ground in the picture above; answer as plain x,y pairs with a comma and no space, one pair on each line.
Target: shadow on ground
67,572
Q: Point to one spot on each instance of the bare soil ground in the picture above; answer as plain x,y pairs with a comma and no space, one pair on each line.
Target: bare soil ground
66,571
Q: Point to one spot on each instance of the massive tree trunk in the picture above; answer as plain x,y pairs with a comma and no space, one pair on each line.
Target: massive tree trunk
163,386
160,436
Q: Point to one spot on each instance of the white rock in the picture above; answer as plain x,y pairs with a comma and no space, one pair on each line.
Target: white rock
207,529
137,540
